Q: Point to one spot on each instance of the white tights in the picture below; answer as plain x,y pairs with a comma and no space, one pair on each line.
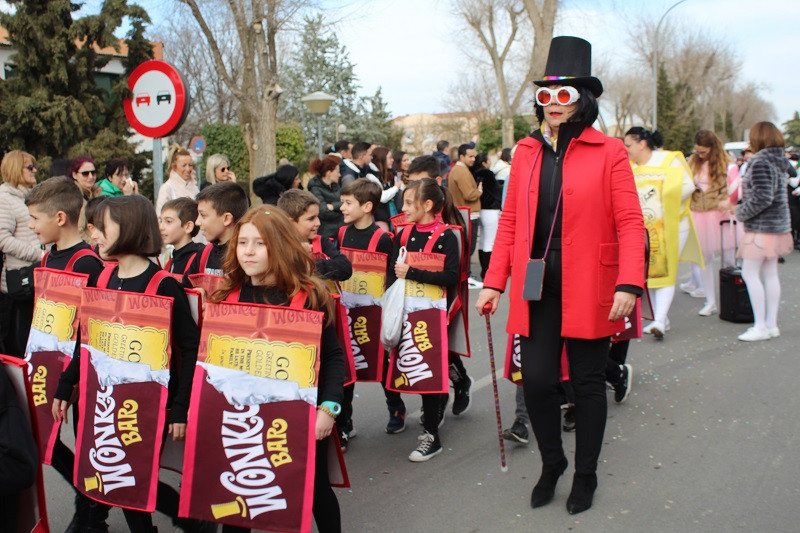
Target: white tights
764,297
704,278
662,298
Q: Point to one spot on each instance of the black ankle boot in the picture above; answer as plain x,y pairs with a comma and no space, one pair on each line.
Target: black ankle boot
545,488
580,497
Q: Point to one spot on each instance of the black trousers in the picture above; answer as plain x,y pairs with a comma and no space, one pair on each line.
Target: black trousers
393,399
541,373
432,402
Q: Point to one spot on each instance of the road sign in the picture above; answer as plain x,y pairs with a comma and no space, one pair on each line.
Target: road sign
159,102
198,144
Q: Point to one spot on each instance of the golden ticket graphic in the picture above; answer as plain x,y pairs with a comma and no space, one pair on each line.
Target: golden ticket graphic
291,361
370,283
424,290
54,318
135,344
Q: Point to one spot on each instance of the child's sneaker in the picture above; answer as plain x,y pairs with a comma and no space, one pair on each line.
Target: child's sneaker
428,446
397,419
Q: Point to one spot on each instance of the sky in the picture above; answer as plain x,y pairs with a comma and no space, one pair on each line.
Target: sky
415,49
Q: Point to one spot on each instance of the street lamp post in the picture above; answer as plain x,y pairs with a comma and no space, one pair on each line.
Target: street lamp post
318,103
655,62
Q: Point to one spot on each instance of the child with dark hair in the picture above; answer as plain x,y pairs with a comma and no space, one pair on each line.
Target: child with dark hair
219,207
126,230
177,226
422,201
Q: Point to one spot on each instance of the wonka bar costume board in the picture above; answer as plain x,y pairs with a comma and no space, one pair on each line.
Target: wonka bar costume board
418,364
513,367
124,375
361,296
659,191
250,444
51,342
32,516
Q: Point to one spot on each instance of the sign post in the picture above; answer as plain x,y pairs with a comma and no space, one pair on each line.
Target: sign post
158,106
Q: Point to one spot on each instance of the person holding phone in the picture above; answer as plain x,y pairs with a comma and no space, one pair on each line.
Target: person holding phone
570,239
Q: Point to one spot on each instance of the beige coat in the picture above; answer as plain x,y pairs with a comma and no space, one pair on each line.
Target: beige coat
18,242
175,187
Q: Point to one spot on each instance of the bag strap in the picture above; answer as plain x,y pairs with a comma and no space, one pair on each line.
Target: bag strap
86,252
189,263
435,237
204,258
376,237
168,266
44,258
316,245
105,276
233,296
299,300
342,230
405,233
152,286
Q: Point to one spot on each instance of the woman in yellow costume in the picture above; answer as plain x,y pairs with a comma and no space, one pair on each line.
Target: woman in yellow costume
665,187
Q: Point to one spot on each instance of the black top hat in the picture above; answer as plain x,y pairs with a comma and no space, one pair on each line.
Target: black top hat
569,62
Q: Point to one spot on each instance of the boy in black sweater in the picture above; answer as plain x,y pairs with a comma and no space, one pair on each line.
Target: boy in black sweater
219,207
55,208
358,201
177,226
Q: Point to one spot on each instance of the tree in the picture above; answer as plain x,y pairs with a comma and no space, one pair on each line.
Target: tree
498,35
791,130
212,101
256,89
677,126
51,105
321,63
490,134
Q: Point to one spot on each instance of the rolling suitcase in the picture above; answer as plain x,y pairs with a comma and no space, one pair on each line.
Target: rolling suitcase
734,302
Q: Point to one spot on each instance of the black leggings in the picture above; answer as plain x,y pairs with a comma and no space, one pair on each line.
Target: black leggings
326,505
541,371
432,402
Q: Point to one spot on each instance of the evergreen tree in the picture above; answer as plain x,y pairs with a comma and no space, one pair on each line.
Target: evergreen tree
791,130
323,64
676,120
51,101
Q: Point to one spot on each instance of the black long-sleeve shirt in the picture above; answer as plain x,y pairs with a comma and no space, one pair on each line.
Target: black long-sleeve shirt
216,258
185,341
337,267
89,264
359,239
331,369
182,255
446,244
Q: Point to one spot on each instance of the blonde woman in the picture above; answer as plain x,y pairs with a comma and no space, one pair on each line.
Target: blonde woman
218,168
712,173
182,182
18,243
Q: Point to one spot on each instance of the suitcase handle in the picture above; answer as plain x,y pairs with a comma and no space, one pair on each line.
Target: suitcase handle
733,223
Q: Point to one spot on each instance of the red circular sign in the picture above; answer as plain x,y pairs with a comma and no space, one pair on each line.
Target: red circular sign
160,100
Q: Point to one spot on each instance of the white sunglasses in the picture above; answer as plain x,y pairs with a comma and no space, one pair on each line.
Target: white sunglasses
565,95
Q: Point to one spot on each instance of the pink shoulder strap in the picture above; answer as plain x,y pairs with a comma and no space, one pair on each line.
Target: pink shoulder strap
233,296
299,300
342,229
376,237
44,258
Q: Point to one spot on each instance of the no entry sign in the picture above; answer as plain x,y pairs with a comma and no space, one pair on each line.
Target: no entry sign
159,102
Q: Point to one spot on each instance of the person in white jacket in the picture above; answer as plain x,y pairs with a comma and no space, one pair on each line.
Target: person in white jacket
182,182
19,245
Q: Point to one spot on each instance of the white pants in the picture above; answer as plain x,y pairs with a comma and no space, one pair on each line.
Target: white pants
489,220
662,298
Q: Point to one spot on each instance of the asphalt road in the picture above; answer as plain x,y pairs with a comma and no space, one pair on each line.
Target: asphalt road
708,441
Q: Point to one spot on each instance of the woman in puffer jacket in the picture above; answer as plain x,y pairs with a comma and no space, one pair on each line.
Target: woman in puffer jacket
764,210
19,244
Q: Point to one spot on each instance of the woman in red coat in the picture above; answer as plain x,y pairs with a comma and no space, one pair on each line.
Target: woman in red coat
575,205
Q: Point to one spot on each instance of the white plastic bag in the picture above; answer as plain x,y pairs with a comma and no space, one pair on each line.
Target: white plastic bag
392,304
